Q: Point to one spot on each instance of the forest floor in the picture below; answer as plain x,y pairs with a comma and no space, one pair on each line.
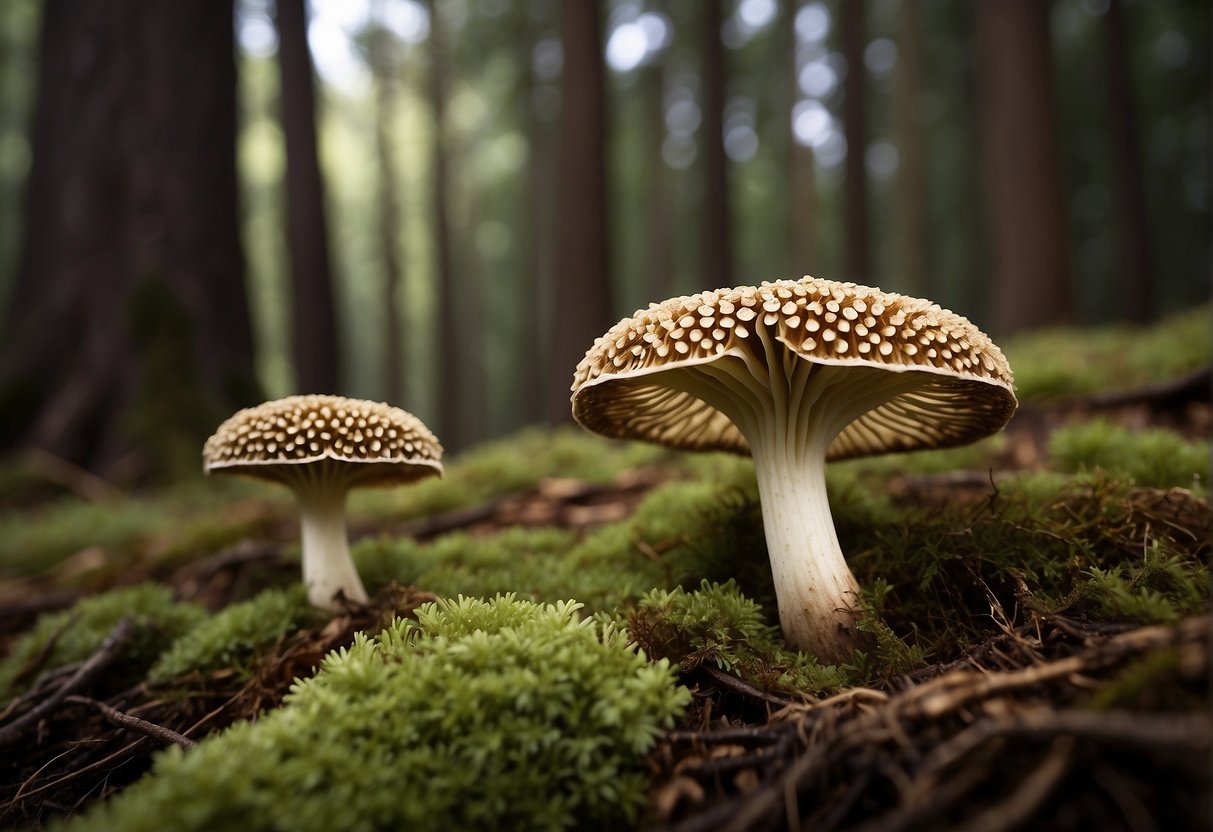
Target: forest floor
1043,661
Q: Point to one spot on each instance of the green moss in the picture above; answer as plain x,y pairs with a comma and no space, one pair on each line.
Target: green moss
502,467
233,636
1152,457
1161,588
1066,362
75,634
680,533
717,624
499,715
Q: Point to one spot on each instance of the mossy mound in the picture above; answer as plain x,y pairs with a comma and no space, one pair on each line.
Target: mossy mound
496,714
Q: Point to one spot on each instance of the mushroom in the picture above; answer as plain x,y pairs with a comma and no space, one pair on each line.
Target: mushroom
320,447
795,373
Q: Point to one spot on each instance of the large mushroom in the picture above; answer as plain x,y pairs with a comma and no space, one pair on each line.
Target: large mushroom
795,373
320,447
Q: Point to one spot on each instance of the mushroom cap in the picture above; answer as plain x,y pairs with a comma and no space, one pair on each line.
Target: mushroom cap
967,389
324,438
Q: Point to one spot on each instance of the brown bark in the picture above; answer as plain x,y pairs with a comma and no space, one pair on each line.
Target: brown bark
539,280
857,257
128,325
911,193
802,176
314,319
1132,228
715,242
658,242
1029,236
394,358
583,308
451,367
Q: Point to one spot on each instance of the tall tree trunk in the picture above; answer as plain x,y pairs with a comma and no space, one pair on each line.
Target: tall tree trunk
857,261
802,167
314,319
1132,228
1029,236
715,242
583,309
128,323
658,242
539,280
911,194
394,357
451,367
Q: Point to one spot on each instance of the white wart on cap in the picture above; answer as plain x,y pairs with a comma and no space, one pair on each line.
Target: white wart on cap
320,447
795,373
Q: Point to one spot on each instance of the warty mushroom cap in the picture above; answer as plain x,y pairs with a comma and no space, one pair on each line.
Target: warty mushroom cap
321,447
967,389
796,372
305,438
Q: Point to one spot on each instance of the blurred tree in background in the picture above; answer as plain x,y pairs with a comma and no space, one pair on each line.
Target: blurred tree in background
127,325
490,184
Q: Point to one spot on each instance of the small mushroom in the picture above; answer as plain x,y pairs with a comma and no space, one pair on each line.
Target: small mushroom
796,373
320,447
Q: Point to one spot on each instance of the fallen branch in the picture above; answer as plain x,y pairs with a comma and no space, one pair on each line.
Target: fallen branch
133,723
109,650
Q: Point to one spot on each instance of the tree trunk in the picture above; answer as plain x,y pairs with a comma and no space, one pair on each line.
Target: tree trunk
715,242
1132,227
539,281
911,194
451,370
583,309
658,243
802,170
1029,236
128,323
394,358
857,260
314,320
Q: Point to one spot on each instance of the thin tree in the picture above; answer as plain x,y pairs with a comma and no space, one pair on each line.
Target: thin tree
1132,227
857,261
450,328
128,326
658,235
911,185
314,319
802,167
583,308
539,280
1029,236
715,241
384,69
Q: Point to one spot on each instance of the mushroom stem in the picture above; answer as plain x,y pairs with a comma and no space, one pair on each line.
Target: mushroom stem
328,567
814,587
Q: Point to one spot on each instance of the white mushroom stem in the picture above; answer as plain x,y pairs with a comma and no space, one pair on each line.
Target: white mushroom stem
328,567
790,410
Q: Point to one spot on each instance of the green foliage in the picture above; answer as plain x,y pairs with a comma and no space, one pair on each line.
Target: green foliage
175,524
716,623
681,532
1068,361
502,467
892,654
1159,589
75,634
939,579
232,637
1152,457
497,714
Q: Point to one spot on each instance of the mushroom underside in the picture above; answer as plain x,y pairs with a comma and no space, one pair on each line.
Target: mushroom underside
791,414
